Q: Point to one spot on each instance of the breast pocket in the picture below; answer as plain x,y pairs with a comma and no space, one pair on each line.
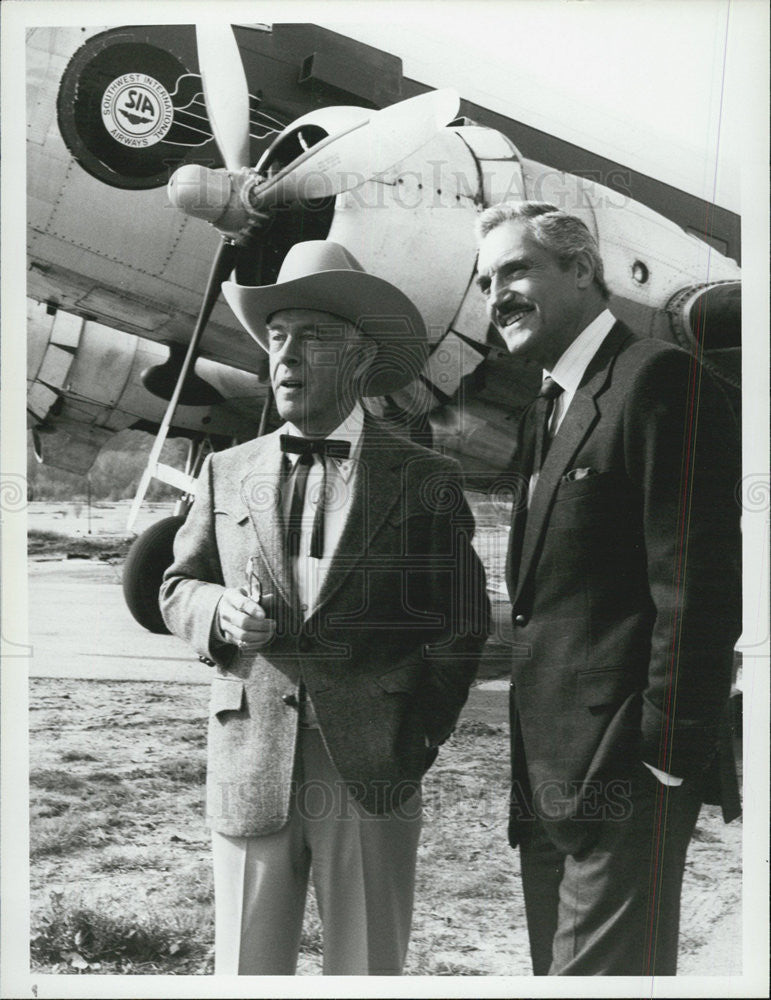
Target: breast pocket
233,515
594,484
235,542
593,509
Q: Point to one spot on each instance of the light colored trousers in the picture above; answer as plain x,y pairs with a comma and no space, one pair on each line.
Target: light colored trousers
363,870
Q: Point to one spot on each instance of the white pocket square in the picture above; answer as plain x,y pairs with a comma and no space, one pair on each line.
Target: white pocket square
574,474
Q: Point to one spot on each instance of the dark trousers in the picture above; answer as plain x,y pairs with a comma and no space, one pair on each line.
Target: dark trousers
613,909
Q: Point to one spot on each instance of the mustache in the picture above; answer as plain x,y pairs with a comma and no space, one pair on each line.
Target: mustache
508,307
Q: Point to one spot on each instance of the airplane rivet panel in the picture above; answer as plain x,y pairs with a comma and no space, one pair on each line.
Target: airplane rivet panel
56,366
425,200
128,243
40,399
102,364
122,308
66,329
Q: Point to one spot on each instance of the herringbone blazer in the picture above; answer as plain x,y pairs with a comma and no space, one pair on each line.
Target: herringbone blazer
387,654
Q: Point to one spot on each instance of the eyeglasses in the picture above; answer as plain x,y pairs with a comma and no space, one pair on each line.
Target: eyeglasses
253,583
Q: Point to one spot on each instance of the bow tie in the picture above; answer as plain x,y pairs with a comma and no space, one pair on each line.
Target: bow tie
318,446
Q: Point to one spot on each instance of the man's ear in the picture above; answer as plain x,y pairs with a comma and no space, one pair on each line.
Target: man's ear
584,269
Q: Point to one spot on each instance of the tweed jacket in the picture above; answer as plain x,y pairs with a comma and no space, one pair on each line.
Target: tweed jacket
387,654
624,578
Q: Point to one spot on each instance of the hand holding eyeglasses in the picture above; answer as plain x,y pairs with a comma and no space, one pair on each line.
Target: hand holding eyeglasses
240,618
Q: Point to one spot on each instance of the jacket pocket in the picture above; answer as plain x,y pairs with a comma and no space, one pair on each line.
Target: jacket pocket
237,514
602,686
600,482
227,695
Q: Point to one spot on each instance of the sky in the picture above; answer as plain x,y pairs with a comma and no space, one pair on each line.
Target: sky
658,85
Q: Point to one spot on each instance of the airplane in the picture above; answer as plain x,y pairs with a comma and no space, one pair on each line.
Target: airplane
160,160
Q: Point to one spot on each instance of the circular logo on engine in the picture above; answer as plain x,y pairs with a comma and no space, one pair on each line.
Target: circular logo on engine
137,110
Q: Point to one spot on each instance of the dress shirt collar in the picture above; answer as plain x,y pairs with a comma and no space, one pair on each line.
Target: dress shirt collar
571,366
351,429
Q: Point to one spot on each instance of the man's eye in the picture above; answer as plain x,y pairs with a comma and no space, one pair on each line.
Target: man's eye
484,286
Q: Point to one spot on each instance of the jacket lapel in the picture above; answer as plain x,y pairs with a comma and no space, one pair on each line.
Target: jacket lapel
578,422
377,488
260,492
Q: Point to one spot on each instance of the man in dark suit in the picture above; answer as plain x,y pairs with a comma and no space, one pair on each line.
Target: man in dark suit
624,580
326,570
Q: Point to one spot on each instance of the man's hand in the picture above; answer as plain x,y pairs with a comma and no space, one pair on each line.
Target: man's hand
242,622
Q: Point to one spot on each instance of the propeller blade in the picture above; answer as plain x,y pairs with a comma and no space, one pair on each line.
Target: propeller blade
226,92
223,264
346,160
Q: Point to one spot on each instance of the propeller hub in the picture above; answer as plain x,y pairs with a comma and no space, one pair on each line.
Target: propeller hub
200,191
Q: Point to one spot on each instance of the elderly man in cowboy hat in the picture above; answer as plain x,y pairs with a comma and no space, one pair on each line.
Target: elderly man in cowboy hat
326,569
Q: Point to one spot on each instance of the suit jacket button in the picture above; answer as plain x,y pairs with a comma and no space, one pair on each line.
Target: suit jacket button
520,620
304,644
290,700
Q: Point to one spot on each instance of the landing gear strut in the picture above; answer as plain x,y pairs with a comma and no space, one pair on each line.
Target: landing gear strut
152,552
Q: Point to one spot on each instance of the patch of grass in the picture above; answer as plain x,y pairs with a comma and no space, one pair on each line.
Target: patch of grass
106,930
198,886
55,780
51,543
49,805
179,770
474,727
58,835
71,756
185,771
115,859
108,777
111,798
64,834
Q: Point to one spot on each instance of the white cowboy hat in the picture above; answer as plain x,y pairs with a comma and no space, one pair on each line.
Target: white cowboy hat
322,275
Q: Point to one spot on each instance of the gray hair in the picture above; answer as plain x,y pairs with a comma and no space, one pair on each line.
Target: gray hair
561,234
